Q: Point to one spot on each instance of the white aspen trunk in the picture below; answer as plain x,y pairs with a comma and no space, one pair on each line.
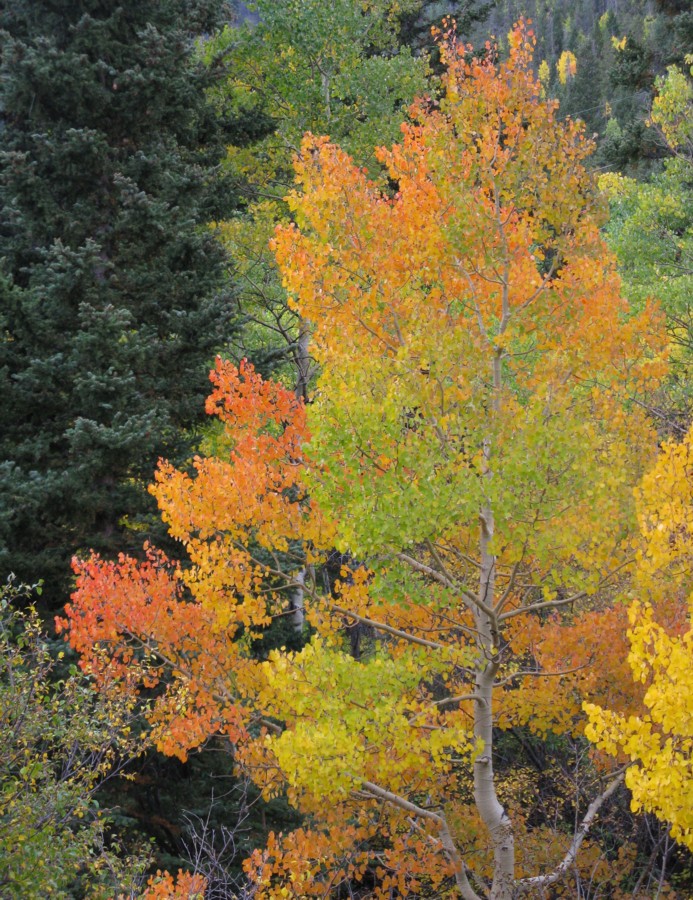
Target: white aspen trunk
490,808
325,78
302,358
298,612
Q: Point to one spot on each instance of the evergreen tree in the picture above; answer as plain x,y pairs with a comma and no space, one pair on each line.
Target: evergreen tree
417,20
111,289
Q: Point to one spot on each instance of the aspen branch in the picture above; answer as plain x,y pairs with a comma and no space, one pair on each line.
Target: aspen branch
541,881
400,802
463,557
440,577
443,579
556,604
444,702
380,626
453,854
458,699
438,559
270,726
508,590
538,673
461,879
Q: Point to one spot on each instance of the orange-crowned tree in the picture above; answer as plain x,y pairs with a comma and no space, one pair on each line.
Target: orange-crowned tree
471,450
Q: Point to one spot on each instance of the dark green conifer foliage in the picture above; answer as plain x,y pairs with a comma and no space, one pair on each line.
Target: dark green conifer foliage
111,285
416,22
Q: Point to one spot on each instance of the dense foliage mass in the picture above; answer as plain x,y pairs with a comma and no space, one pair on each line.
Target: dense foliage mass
421,623
309,66
58,742
112,297
473,452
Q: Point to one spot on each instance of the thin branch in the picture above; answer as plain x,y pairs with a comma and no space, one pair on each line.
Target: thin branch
458,699
396,632
509,589
437,703
443,579
557,604
440,577
400,802
537,673
271,726
542,881
439,560
461,879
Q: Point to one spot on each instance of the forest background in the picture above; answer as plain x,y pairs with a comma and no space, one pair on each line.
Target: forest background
147,152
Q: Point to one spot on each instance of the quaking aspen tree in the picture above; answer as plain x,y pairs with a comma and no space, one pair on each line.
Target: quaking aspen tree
471,450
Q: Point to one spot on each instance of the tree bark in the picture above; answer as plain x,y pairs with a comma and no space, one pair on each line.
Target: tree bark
298,602
302,359
489,806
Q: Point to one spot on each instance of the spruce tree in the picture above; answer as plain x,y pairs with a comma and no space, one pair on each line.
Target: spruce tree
112,297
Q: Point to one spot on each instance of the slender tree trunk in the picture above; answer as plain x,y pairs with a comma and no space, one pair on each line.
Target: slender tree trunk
302,359
298,602
490,808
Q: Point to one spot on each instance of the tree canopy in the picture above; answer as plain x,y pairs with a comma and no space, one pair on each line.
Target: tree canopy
471,450
113,294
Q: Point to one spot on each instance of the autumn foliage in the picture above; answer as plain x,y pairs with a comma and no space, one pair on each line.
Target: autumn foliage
471,450
163,886
658,740
135,620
